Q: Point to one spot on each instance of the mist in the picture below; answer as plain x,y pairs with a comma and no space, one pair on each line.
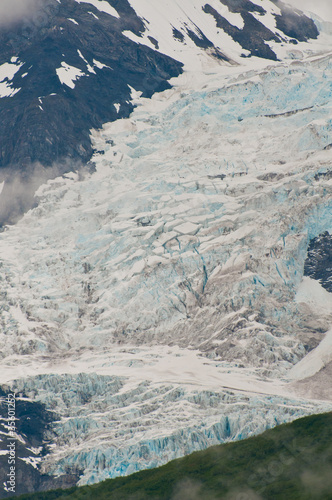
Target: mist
321,7
19,187
12,11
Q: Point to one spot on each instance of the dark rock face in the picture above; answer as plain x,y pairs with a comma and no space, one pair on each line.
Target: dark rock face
294,24
318,264
61,128
33,433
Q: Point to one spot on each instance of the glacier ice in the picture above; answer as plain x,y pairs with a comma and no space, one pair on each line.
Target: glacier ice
109,429
143,248
153,303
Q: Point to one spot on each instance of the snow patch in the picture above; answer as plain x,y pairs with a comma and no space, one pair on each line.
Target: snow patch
89,67
315,361
100,65
102,6
7,73
319,301
315,296
9,70
68,75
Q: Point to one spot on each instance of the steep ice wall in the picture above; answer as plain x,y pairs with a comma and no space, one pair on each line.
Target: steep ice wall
202,206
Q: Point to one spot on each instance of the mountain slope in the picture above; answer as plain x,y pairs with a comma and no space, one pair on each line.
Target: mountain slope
292,461
154,302
71,66
150,301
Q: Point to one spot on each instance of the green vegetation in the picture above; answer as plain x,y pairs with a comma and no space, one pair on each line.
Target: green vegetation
292,461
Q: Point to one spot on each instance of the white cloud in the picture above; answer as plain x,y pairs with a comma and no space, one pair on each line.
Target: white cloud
321,7
15,10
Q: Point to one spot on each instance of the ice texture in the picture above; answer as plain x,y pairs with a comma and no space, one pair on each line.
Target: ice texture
153,303
109,429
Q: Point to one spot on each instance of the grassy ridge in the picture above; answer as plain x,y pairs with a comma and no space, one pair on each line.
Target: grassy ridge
292,461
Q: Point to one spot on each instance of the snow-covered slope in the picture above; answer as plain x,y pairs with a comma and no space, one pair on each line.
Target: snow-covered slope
228,30
157,305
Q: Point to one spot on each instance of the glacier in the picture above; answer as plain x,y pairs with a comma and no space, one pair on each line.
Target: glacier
110,427
157,305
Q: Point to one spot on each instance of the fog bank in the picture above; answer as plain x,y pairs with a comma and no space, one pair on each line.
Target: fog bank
321,7
12,11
